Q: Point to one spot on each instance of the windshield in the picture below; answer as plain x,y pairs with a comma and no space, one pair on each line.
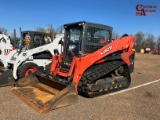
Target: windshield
74,36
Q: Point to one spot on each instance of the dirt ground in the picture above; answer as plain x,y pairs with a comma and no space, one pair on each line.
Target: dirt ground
141,101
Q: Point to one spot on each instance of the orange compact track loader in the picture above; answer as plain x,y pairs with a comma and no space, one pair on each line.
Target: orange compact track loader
91,64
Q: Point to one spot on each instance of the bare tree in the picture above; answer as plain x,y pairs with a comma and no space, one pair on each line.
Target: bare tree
158,44
140,38
115,35
158,39
51,30
149,42
60,29
4,30
40,29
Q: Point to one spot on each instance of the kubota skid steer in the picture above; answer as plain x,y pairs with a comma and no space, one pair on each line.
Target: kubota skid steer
91,64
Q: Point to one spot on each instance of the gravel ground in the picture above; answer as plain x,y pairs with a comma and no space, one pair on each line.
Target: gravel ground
141,103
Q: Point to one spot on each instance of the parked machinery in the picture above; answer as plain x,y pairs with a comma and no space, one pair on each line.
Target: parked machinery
87,66
5,47
22,62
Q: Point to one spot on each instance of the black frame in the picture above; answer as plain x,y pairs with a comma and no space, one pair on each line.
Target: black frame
86,25
66,59
32,34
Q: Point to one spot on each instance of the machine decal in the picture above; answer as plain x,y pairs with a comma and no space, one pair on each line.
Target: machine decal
106,50
7,51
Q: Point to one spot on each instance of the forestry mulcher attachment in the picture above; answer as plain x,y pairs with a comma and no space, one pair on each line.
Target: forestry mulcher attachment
91,64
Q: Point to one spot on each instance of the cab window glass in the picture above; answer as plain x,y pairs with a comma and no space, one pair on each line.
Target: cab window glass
37,40
96,35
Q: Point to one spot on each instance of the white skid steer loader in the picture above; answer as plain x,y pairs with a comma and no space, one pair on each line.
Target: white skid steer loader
21,62
5,48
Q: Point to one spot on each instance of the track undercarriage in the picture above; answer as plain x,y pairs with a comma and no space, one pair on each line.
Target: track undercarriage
106,77
101,79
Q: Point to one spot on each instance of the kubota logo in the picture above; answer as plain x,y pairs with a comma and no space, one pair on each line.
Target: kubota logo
106,50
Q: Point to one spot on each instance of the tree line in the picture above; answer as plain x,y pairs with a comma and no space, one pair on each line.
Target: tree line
143,40
147,40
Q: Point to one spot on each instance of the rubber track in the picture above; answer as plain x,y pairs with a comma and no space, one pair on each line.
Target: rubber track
95,73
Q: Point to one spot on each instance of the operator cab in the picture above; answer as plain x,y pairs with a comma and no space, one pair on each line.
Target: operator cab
37,38
83,37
